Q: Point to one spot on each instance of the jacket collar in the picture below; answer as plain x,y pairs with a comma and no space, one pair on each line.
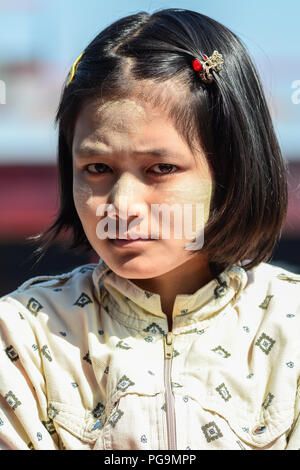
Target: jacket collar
188,309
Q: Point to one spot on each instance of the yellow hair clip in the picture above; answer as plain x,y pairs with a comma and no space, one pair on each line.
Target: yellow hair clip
74,67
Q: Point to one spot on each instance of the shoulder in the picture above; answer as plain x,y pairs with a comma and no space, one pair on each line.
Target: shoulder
271,300
270,307
50,294
274,280
273,272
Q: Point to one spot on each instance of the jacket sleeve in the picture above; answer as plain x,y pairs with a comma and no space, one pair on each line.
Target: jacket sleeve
24,423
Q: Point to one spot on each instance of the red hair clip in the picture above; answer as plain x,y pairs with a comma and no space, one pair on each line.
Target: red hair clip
214,62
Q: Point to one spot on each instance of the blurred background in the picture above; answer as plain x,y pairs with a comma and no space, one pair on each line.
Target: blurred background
39,41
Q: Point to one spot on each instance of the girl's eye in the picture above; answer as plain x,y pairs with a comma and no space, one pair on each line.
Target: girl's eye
96,167
166,167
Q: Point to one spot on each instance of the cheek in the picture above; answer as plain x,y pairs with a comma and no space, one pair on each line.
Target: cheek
192,193
83,198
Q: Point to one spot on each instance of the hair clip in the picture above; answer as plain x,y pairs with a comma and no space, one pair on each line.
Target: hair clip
214,62
74,68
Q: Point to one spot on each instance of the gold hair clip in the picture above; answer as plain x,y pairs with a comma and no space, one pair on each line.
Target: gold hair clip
214,62
73,68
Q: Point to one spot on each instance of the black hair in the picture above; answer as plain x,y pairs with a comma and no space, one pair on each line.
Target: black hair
228,117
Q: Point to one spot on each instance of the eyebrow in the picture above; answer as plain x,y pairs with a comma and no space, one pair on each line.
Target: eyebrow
88,151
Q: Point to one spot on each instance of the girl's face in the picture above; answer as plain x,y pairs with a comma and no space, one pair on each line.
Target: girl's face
127,153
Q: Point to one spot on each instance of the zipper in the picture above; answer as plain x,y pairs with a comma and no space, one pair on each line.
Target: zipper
169,397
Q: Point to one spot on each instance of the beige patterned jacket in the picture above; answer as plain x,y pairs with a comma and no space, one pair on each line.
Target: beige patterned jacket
87,362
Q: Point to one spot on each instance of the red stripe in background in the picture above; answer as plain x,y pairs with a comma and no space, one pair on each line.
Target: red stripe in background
29,200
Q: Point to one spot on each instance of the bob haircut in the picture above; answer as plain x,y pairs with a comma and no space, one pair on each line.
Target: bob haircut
229,118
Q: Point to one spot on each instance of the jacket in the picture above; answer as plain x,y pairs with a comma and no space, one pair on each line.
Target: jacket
87,362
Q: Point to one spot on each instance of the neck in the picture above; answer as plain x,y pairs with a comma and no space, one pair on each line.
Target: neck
184,279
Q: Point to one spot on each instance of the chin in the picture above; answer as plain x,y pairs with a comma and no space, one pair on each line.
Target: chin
134,269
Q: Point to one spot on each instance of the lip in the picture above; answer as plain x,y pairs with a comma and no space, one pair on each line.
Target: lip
121,242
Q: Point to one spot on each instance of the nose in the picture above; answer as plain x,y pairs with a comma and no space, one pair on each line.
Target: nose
126,196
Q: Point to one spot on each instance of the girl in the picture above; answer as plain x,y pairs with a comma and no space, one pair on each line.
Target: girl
170,342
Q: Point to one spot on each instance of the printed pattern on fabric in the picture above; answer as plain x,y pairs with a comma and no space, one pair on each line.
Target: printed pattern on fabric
266,301
265,343
83,300
211,431
11,353
115,417
221,351
12,400
222,390
34,306
124,383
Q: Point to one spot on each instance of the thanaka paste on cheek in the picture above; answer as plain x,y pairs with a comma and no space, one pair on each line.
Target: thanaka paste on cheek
83,194
199,192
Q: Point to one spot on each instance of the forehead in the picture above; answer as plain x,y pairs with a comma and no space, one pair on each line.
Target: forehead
136,100
126,122
117,114
118,106
141,102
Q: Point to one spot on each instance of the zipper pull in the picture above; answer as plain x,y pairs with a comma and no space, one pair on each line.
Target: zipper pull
168,345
